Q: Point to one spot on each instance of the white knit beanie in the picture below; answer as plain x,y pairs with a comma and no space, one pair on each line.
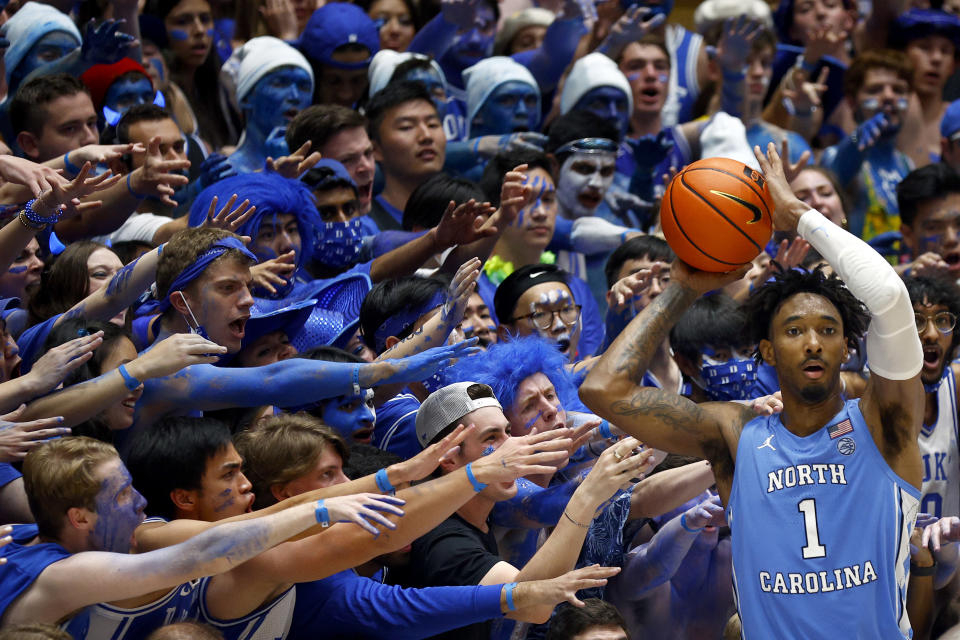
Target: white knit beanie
259,56
589,72
30,23
484,77
386,62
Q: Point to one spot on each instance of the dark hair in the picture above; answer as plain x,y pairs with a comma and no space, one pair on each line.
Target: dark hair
509,291
391,96
130,250
411,7
173,454
389,297
932,182
569,621
714,320
64,282
649,39
492,179
331,354
896,61
429,200
766,300
320,122
139,113
936,291
636,248
325,179
408,66
575,125
27,107
74,328
366,460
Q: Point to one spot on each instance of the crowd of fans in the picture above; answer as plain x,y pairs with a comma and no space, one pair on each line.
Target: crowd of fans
297,304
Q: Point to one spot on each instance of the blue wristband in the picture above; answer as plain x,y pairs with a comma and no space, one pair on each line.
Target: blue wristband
477,485
69,166
683,523
510,604
604,429
323,516
476,145
138,196
383,482
129,381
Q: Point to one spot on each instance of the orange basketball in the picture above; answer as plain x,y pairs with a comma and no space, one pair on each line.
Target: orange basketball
717,214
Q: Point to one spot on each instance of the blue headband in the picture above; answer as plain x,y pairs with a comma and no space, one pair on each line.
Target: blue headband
398,322
194,271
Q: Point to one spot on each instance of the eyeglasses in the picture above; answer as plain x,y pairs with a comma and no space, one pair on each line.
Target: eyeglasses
943,321
544,319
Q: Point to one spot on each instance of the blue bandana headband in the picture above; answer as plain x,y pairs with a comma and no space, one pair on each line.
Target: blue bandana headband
194,271
397,323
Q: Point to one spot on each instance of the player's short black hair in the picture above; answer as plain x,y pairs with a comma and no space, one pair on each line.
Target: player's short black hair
366,460
392,95
936,291
28,105
173,454
932,182
636,248
766,300
429,200
715,320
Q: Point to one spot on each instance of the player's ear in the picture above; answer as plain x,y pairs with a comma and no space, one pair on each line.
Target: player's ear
766,352
79,518
279,492
391,342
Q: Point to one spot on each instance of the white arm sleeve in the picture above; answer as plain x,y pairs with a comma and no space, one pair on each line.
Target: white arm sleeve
893,346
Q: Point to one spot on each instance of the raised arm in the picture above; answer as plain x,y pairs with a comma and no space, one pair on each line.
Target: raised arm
614,389
893,401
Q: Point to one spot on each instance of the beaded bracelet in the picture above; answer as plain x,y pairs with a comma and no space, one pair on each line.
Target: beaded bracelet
38,219
22,217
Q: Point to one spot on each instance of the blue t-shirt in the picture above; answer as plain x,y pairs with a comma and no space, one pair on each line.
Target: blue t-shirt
31,342
395,430
24,563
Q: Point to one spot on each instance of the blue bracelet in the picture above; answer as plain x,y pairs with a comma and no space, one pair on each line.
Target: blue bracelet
129,381
683,523
323,516
383,482
69,166
604,429
477,485
356,380
476,145
510,587
38,219
138,196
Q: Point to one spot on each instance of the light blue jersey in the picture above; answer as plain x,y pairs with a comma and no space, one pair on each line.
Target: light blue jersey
107,622
820,529
269,622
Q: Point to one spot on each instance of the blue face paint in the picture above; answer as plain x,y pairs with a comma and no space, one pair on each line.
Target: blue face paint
157,64
531,422
126,93
351,416
277,98
930,243
178,34
513,106
435,86
609,103
47,49
538,187
17,269
487,451
119,508
470,47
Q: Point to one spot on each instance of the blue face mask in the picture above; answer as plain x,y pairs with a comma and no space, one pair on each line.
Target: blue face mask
735,379
608,103
511,107
339,243
277,98
351,414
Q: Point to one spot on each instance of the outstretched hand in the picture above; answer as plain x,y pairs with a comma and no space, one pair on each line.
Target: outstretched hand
736,40
629,288
704,281
83,185
458,294
17,439
228,218
35,177
295,164
423,365
708,513
424,463
157,177
940,532
105,43
57,363
787,207
365,509
273,273
517,457
463,224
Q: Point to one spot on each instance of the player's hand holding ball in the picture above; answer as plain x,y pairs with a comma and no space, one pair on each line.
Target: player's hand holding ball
787,207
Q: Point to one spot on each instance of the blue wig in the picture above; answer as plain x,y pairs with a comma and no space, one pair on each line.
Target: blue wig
505,365
272,194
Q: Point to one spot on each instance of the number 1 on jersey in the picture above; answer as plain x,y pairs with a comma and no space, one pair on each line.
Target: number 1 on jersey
813,549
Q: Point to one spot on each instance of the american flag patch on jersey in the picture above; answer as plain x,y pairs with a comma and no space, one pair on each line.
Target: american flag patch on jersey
839,429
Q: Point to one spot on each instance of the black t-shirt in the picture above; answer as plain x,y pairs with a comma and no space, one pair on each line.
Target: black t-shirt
385,219
456,554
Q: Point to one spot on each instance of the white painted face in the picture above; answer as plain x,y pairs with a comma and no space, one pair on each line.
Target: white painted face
584,180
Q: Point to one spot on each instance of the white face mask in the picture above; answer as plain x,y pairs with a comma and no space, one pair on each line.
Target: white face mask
580,190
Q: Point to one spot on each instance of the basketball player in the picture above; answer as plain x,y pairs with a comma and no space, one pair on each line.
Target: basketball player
795,483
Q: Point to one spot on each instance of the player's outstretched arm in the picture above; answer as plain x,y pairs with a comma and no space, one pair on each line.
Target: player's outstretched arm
661,419
894,396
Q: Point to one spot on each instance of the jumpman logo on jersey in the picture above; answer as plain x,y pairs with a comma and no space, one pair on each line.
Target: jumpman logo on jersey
766,443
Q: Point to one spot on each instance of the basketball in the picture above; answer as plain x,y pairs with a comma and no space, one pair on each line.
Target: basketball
717,214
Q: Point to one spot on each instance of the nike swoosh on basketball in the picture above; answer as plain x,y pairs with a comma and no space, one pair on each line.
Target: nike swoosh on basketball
754,209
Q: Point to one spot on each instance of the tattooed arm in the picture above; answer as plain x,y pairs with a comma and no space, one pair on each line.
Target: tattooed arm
659,418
